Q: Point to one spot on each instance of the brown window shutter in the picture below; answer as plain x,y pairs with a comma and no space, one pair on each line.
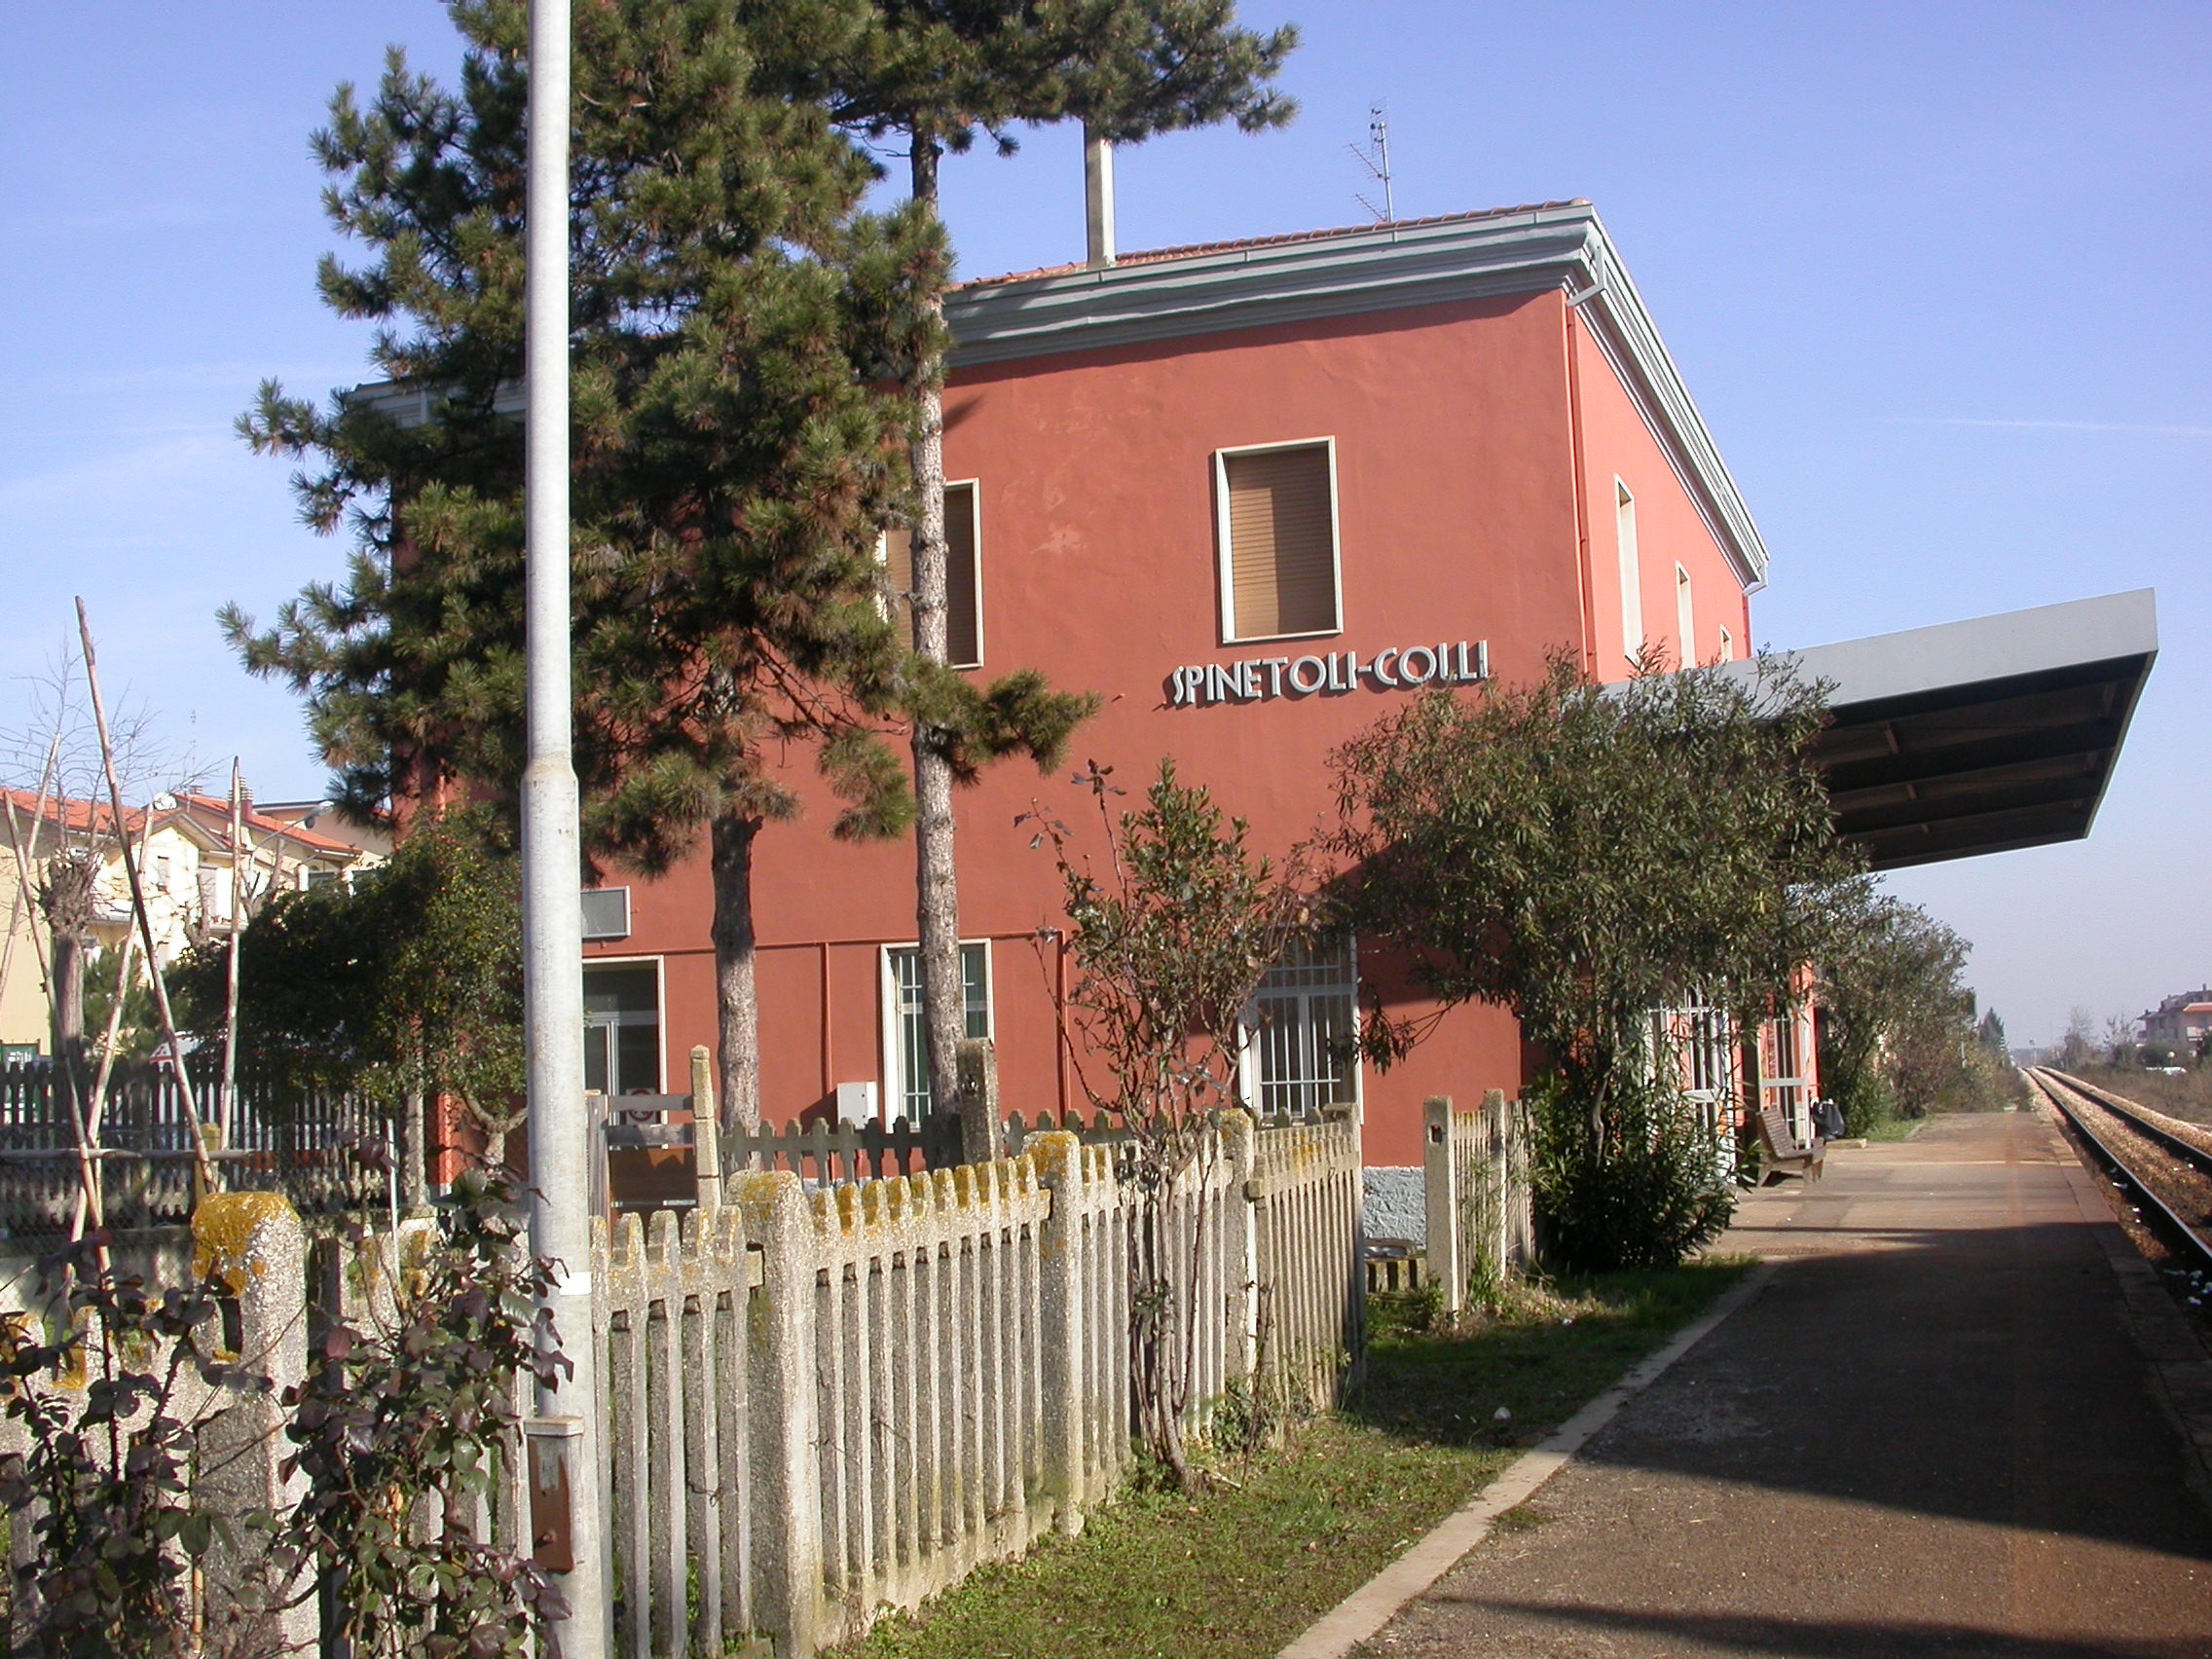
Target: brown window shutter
963,621
1281,542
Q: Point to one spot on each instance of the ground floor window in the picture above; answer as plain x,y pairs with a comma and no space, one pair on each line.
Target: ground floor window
1298,1054
1697,1045
622,1027
906,1066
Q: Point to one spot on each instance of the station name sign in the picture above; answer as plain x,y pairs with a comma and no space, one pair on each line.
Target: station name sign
1396,668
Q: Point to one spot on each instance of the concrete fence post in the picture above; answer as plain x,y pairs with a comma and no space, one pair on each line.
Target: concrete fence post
253,1245
1063,1325
982,1136
1498,1179
1440,1180
1240,1243
706,1131
787,1492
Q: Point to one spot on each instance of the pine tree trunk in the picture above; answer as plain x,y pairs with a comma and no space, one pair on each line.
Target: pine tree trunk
736,1005
936,884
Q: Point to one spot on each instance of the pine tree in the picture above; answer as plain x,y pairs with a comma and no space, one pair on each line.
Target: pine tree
735,453
941,72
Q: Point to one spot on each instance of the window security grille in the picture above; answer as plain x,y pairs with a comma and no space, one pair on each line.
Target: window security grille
1302,1023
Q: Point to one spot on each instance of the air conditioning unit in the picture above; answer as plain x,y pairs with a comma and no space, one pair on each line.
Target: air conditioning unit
607,913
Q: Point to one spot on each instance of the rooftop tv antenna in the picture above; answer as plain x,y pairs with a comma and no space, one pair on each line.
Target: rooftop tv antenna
1376,159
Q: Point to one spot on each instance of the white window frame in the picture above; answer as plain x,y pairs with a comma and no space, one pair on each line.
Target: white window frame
1727,646
1248,1080
890,1096
628,921
1685,619
660,1002
1631,570
1224,568
976,561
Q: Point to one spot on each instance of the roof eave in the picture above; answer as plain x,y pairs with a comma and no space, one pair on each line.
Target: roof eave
1543,249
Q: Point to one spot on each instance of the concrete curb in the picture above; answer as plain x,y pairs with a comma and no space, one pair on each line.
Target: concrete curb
1372,1606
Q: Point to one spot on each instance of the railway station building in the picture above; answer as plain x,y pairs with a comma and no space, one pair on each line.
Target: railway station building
1254,494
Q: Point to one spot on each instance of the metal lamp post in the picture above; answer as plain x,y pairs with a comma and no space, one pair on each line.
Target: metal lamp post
569,1525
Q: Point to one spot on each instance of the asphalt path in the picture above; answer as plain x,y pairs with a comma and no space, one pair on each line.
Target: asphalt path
1961,1420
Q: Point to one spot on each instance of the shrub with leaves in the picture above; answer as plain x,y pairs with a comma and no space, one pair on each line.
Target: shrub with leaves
111,1413
400,1429
1583,855
1639,1185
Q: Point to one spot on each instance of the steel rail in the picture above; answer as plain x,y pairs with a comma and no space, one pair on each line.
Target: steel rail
2051,1084
2188,1150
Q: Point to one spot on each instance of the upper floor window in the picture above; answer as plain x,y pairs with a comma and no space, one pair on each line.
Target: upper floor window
1727,646
1632,571
1685,620
963,574
1277,524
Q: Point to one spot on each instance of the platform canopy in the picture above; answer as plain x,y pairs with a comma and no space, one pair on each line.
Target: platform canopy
1981,736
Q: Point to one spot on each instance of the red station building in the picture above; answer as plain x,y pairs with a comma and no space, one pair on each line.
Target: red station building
1254,494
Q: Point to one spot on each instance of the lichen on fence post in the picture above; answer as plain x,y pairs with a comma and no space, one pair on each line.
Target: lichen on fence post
1239,1248
1057,1157
252,1244
983,1137
706,1131
786,1495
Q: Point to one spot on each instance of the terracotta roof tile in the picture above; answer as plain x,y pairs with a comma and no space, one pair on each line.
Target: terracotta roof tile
211,812
1197,250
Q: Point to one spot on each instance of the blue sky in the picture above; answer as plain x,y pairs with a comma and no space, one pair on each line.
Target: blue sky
1933,273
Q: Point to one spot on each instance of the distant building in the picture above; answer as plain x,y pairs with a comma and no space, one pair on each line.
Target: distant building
187,866
2181,1021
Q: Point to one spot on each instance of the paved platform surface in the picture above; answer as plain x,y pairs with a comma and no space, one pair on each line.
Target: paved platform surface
1937,1432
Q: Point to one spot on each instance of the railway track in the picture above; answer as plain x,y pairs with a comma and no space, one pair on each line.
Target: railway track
2163,1164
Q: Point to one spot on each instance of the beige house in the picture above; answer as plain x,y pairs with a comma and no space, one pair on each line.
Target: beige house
187,864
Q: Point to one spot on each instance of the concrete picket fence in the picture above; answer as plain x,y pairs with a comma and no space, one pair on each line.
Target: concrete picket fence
829,1400
826,1403
1475,1168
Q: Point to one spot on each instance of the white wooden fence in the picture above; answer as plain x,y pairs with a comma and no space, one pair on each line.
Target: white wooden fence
1476,1171
834,1401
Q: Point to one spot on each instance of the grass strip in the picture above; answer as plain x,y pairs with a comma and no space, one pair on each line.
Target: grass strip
1236,1572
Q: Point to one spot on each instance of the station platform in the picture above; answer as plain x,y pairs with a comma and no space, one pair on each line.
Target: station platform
1961,1419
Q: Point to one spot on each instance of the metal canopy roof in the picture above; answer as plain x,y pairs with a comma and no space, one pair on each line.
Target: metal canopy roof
1983,736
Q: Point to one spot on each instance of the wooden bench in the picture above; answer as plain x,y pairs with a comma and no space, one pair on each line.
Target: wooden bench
1785,1153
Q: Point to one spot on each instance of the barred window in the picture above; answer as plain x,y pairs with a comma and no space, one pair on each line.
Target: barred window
1298,1056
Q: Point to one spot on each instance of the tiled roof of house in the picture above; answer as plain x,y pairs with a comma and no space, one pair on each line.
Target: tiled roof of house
76,817
214,813
1197,250
211,814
